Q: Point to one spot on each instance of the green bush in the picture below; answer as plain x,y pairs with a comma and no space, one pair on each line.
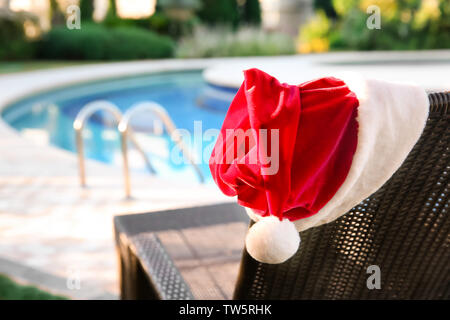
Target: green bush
17,49
91,42
159,22
406,25
13,43
134,43
208,42
314,37
96,42
114,22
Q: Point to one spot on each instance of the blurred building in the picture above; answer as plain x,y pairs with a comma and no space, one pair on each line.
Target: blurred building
38,8
279,15
41,8
286,15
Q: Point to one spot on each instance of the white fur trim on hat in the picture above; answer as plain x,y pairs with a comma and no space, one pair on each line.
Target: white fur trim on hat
272,241
391,118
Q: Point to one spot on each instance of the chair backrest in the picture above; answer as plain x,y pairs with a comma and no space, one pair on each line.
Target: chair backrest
403,229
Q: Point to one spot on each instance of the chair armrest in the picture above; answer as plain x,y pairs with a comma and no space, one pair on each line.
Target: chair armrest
147,270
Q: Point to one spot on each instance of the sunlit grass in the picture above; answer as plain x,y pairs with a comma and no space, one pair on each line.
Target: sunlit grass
10,290
20,66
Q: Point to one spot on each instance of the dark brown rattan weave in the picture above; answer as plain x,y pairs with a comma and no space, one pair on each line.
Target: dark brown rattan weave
403,228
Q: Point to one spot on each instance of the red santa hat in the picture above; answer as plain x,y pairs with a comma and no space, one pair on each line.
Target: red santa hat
298,156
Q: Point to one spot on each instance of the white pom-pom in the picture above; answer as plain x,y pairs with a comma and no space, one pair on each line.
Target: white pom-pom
272,241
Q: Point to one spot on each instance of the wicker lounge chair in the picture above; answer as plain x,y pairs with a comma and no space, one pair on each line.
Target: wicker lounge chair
403,228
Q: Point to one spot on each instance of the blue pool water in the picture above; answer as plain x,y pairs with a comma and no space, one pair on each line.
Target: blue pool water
49,116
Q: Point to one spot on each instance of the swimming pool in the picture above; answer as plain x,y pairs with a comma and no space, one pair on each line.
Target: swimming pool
189,100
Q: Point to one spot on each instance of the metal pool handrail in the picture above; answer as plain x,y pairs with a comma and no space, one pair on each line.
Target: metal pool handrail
161,113
85,113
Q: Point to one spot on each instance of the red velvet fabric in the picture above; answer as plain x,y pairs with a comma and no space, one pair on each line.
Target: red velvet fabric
317,132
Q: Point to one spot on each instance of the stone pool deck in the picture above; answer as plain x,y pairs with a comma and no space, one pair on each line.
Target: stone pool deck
50,224
54,233
58,235
425,68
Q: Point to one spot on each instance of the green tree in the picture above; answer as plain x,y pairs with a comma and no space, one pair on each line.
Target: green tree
251,12
111,19
86,10
219,12
57,17
112,9
326,6
14,44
